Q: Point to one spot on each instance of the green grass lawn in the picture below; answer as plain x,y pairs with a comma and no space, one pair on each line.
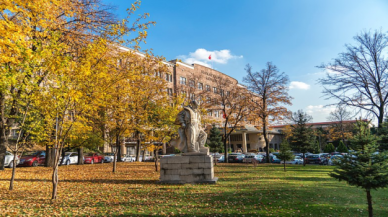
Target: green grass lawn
242,189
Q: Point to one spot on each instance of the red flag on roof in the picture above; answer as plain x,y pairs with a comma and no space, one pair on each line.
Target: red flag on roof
210,57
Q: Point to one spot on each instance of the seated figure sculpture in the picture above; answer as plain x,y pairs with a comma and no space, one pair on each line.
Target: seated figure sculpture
192,137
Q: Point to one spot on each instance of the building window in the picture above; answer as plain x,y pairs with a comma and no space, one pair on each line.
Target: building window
200,86
208,99
215,102
207,87
158,74
214,89
236,138
168,77
247,137
227,93
183,81
191,83
221,92
192,96
209,113
130,150
217,114
169,91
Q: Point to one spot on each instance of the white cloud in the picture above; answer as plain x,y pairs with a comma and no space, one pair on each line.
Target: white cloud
299,85
201,56
320,112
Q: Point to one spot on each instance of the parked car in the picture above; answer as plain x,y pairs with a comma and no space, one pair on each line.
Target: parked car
316,159
129,158
235,158
9,159
274,159
221,159
33,158
334,158
250,158
70,158
108,157
92,158
296,160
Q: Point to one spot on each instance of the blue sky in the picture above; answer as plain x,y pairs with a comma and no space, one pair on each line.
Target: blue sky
294,35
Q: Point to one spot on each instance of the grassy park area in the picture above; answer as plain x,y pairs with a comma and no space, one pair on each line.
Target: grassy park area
241,190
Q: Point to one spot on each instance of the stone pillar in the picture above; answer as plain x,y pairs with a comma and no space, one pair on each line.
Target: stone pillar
244,146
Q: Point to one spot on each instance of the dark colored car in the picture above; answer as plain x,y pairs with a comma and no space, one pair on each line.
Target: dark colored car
316,159
236,158
92,158
33,158
274,159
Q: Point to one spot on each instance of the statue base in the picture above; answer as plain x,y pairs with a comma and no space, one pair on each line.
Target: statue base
187,170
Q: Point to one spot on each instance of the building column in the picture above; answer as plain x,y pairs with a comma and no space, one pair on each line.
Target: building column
164,148
244,146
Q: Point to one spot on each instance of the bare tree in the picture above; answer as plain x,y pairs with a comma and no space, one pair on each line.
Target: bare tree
270,88
340,116
359,76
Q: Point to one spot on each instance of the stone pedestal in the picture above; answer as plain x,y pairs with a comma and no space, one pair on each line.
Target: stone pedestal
187,169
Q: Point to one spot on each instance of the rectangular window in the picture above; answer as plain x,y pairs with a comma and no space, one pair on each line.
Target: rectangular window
214,89
168,77
208,99
216,114
183,81
192,96
207,87
169,91
209,113
221,92
191,83
158,74
227,93
200,86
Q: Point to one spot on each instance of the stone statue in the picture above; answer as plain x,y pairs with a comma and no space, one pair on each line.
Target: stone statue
192,137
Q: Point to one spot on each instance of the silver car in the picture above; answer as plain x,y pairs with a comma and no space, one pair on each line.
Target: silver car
9,159
70,158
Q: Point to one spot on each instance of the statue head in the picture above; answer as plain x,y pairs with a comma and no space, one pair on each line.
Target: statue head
193,104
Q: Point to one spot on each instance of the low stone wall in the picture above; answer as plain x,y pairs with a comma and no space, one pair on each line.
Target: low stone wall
187,169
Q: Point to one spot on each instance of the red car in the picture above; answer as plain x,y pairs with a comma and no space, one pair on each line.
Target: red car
93,158
33,159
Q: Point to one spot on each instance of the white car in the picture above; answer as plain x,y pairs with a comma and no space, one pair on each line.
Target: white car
108,157
70,158
9,159
296,160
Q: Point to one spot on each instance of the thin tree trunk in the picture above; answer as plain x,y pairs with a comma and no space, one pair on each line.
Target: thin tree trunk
115,161
80,156
156,160
369,198
266,141
13,172
143,158
118,148
3,148
55,182
138,145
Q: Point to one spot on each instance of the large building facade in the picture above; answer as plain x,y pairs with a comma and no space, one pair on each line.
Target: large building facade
204,84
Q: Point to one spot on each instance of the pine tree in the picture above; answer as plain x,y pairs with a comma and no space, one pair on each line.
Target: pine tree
329,148
342,148
366,168
215,140
285,153
302,136
383,133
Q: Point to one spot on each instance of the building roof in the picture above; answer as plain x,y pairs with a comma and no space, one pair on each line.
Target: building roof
323,123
